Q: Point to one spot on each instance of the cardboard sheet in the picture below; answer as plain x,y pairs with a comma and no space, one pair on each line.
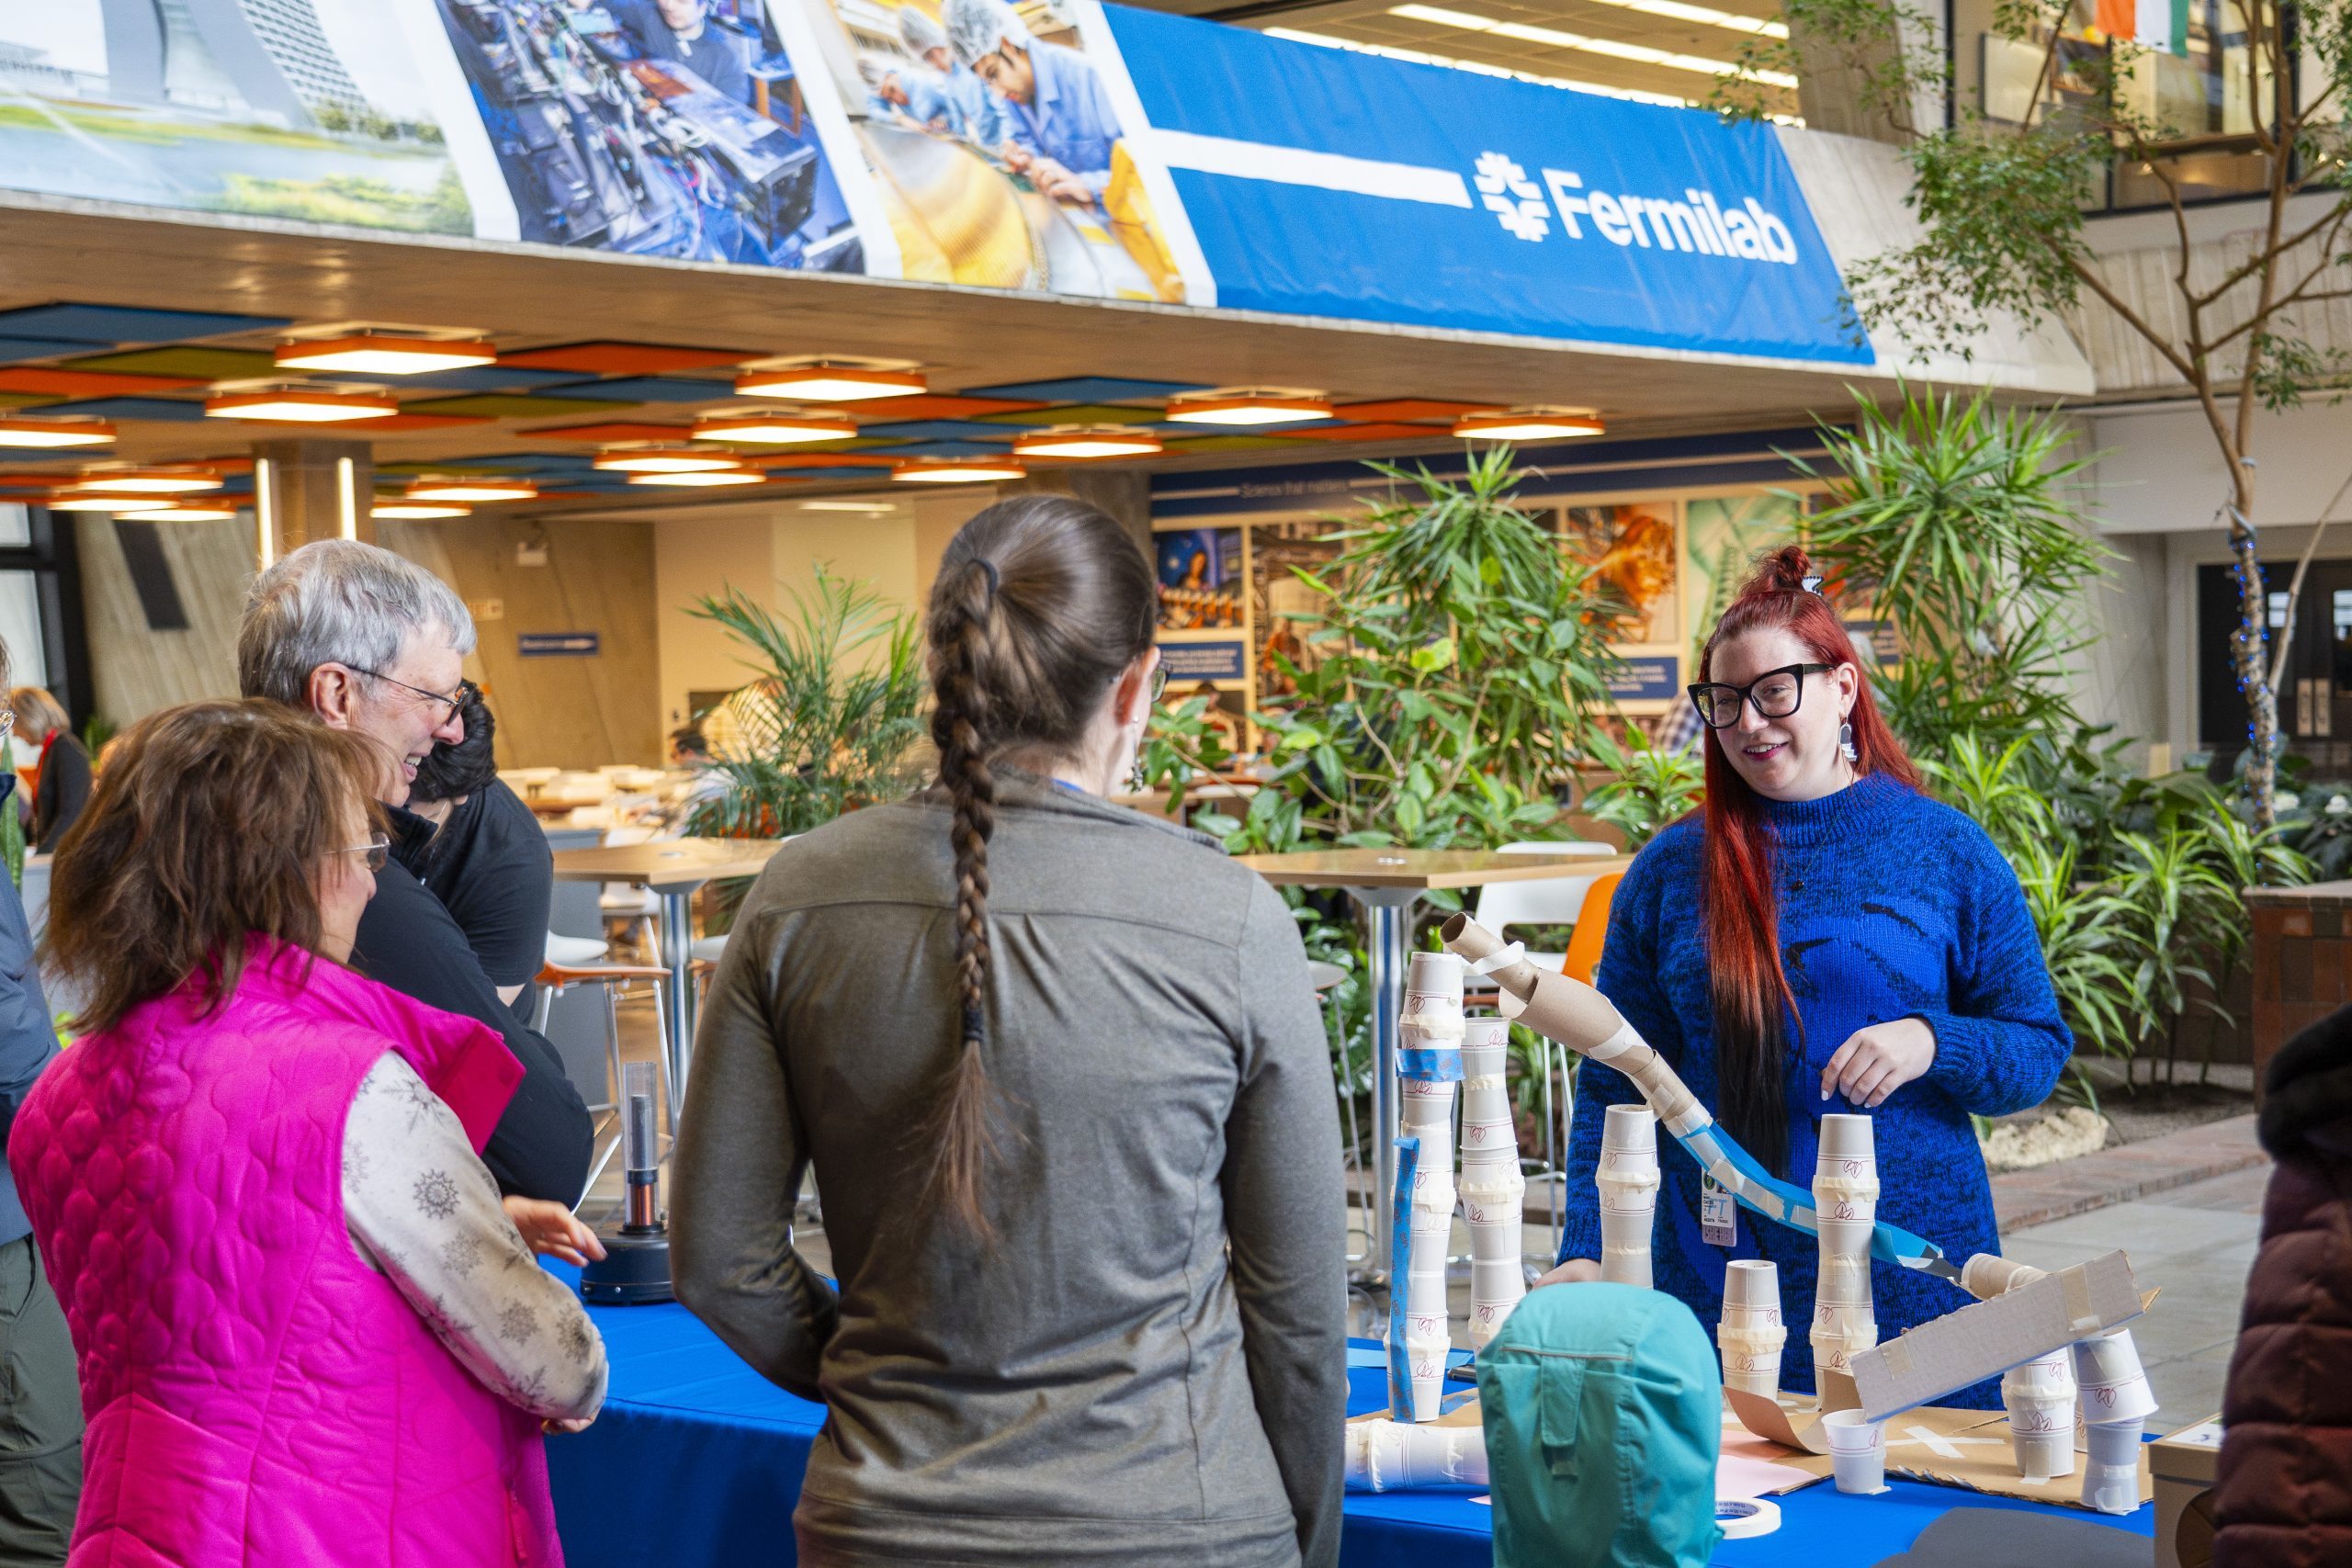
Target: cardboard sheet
1966,1449
1989,1338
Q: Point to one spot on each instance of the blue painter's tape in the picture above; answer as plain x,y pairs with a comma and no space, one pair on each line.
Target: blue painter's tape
1401,1360
1434,1065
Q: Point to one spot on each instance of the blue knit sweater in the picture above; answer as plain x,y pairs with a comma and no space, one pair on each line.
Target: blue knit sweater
1891,906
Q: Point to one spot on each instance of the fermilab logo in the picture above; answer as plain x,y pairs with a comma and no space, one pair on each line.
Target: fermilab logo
1744,232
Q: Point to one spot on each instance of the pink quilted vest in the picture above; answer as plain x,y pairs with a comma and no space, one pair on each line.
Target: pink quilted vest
255,1393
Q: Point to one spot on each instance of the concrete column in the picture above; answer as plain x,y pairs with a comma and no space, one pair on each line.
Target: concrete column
312,487
1124,494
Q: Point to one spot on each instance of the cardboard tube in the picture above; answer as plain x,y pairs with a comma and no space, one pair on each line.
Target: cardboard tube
1752,1333
1986,1275
1390,1456
2040,1399
1492,1189
1628,1180
1845,1198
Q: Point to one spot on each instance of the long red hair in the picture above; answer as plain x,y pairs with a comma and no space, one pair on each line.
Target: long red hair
1740,914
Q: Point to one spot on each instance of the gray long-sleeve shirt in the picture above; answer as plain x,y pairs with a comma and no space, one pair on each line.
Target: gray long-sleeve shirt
1147,1363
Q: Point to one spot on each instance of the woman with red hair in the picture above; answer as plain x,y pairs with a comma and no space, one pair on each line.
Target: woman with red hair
1818,937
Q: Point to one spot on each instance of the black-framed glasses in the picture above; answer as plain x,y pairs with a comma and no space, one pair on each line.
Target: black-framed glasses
377,849
1776,693
450,702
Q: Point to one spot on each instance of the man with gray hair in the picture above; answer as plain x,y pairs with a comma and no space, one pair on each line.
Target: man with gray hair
367,641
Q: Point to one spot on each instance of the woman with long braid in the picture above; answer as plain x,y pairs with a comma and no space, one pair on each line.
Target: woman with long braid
1059,1070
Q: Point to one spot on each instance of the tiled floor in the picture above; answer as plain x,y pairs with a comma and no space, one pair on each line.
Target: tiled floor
2193,1243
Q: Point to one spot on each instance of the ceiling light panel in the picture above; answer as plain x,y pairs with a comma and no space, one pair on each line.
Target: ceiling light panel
1615,48
957,471
829,383
178,511
663,460
386,354
149,481
417,511
701,480
775,429
1246,407
55,433
300,405
80,501
1477,67
1082,442
471,487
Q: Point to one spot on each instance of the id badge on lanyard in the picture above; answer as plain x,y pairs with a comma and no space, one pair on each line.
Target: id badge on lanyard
1718,1213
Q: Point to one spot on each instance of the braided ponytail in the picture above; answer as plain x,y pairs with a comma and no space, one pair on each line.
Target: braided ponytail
961,1135
1042,601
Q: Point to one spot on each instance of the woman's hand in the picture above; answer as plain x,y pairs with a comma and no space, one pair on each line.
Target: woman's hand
1875,1062
1575,1271
565,1428
553,1231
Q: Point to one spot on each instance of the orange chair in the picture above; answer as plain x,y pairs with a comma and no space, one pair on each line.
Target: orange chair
1592,925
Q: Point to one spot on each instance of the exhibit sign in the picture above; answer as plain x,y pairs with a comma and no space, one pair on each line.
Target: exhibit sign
1058,147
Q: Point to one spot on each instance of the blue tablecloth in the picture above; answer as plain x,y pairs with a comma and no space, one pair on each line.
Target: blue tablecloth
697,1459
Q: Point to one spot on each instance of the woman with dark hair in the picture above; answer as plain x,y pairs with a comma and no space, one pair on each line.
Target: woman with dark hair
307,1331
1818,937
477,849
61,787
1060,1069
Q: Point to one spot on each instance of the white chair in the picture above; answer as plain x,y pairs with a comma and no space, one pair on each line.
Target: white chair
639,909
1554,901
574,961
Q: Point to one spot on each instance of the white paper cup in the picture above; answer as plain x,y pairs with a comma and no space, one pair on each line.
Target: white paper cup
1856,1452
1847,1137
1752,1282
1630,1128
2111,1476
1484,1032
2114,1386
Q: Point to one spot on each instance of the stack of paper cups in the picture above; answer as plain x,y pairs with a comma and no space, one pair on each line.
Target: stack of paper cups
1845,1201
2040,1397
1493,1190
1428,1039
1751,1332
2117,1403
1388,1456
1627,1177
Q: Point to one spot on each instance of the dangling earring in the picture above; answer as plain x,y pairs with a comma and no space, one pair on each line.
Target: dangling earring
1845,743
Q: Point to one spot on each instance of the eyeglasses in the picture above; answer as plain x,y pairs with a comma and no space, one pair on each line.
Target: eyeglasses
377,849
1776,694
450,702
1159,682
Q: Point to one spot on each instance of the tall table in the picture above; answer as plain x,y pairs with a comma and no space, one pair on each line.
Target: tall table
673,869
1386,884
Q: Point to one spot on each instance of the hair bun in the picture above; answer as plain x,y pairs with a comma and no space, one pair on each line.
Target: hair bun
1785,570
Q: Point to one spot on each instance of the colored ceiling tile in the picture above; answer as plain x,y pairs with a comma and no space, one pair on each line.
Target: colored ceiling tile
90,383
1085,389
939,430
20,400
1408,409
1231,443
1366,431
100,326
1082,413
942,406
647,389
16,351
942,449
501,405
471,378
521,462
617,430
843,462
131,407
423,422
624,358
200,362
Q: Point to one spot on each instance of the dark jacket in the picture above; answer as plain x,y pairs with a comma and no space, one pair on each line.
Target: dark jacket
1146,1364
28,1040
2283,1496
491,867
63,791
409,941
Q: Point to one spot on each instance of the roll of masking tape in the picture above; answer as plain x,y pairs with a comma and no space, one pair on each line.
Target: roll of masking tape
1739,1517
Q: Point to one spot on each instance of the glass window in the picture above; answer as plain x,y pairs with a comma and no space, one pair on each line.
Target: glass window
2277,611
21,628
15,523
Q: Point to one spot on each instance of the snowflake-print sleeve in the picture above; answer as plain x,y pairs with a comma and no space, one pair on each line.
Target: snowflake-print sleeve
424,1210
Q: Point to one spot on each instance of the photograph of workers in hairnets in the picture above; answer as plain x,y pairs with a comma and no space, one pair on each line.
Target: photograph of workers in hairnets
664,127
1000,157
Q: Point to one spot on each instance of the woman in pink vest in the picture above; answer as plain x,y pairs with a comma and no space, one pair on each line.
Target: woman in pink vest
308,1332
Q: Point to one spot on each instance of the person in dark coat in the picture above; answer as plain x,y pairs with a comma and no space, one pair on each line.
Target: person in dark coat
40,1392
63,770
489,861
2283,1495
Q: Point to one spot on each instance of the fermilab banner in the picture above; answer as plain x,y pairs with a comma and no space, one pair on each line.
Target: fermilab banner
1057,146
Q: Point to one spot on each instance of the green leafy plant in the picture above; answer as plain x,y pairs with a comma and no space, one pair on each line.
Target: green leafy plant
2239,323
1959,519
827,724
1652,785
